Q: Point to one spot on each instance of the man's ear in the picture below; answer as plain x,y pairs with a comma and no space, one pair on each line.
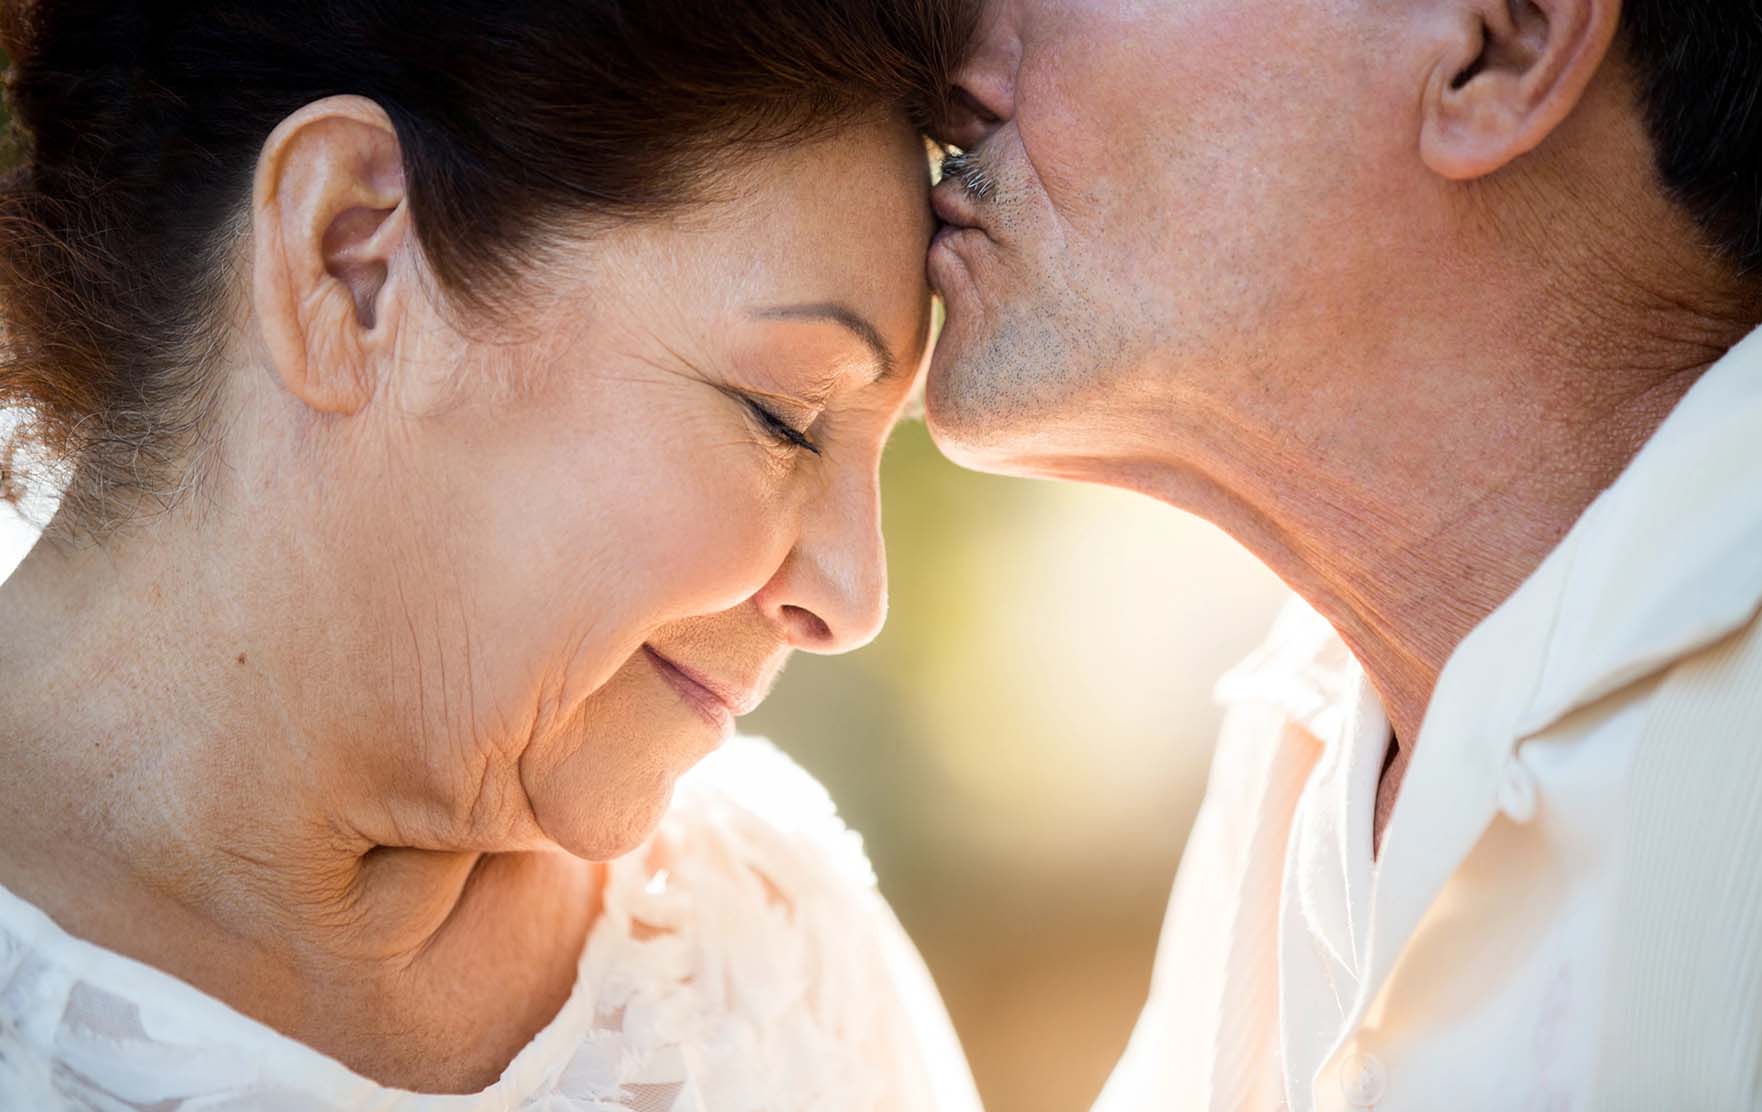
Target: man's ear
1510,72
328,218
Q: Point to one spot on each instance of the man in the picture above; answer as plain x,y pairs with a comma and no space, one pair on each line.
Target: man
1439,307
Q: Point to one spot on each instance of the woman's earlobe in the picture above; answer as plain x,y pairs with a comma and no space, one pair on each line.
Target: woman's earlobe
329,222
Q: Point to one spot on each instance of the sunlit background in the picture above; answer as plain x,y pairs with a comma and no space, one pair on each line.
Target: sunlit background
1023,747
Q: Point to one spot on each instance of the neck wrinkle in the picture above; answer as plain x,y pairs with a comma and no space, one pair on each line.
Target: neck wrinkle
153,812
1406,538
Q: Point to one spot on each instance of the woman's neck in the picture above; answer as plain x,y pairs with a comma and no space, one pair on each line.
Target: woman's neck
160,802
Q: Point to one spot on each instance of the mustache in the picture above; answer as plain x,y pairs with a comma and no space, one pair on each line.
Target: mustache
975,180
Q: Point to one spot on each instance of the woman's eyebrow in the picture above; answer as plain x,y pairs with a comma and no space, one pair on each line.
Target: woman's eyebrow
836,312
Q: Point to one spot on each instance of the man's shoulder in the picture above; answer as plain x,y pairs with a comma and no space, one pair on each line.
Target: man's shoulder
1683,976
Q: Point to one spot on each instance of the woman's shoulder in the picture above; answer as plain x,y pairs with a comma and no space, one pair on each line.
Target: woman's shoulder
751,869
749,928
750,805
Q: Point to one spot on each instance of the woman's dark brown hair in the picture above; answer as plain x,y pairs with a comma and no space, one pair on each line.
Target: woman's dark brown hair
139,125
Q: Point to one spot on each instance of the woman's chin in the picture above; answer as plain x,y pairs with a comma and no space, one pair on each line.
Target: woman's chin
606,842
605,800
600,823
600,784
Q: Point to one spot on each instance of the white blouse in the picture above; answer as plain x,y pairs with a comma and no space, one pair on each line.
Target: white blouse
743,961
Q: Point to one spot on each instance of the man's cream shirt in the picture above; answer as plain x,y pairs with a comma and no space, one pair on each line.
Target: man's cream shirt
1567,910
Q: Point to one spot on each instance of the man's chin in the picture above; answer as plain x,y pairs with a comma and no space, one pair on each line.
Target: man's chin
1006,396
971,412
957,421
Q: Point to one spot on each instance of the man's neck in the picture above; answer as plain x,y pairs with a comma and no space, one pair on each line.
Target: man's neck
1410,512
1405,562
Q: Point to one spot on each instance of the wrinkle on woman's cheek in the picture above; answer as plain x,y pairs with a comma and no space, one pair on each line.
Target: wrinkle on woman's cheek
462,603
410,667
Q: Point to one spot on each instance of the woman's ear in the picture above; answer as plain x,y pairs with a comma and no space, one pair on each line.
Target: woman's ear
1512,70
329,218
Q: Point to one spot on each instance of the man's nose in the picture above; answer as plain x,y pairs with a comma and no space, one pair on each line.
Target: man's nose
984,95
830,594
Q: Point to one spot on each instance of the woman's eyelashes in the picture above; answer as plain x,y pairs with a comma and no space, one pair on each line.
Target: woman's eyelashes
779,429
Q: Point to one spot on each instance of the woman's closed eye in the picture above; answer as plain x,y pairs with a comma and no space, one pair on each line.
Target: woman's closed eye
779,429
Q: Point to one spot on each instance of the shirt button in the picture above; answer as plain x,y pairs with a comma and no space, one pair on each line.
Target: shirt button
1517,792
1363,1080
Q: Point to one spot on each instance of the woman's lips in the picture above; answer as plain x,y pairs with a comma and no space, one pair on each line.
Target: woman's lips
710,699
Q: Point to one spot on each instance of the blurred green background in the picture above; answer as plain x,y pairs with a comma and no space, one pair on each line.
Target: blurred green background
1023,748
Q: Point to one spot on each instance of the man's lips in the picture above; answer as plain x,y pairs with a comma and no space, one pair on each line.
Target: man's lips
714,700
953,205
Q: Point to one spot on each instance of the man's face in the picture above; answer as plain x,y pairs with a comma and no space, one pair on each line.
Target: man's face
1173,195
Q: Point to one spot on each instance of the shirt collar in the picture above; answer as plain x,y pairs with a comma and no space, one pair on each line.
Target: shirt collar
1669,558
1666,561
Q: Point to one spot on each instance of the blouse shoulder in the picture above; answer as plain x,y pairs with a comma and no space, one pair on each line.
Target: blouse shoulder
750,804
750,929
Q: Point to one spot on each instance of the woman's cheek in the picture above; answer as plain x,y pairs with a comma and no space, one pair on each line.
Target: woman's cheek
584,567
718,532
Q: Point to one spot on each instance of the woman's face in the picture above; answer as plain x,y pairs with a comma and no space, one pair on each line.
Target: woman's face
600,527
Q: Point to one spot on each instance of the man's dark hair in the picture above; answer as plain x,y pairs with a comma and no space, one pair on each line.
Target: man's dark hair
1699,65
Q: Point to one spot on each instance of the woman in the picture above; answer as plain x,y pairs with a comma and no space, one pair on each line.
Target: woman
466,408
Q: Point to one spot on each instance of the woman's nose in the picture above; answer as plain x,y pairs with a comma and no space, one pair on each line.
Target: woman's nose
830,594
